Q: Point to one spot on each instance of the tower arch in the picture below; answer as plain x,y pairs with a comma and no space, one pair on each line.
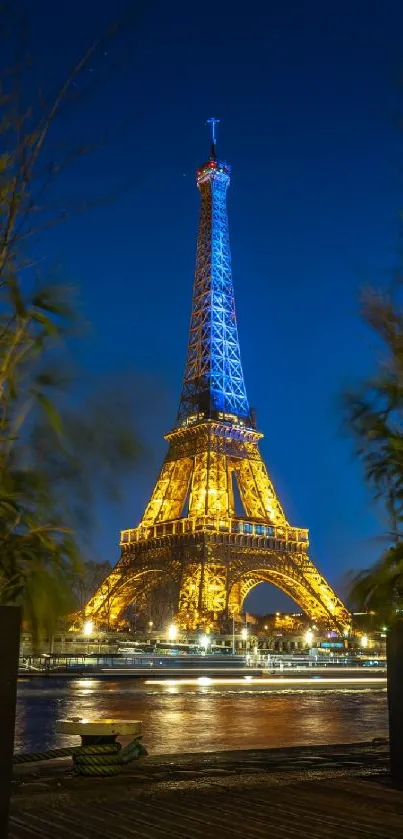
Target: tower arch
120,590
302,595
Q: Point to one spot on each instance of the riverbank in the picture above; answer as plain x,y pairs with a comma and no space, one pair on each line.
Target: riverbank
318,792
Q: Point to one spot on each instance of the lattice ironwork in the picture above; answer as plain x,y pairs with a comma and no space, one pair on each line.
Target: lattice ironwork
213,380
190,532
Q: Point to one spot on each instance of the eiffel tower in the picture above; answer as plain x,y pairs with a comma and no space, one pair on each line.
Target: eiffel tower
191,532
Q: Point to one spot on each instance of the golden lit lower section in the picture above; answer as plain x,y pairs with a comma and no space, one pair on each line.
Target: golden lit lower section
192,535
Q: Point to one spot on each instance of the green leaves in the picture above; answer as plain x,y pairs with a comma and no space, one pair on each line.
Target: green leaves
51,412
54,300
58,457
374,416
16,298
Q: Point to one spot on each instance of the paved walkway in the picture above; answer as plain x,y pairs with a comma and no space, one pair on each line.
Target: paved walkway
339,793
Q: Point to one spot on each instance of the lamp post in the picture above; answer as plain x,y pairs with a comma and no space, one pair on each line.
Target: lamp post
244,636
204,641
172,632
88,629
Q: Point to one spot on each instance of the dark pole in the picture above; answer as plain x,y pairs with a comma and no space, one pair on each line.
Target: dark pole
394,648
10,620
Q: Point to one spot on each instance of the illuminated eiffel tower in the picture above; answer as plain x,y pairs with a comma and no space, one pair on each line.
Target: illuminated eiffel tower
190,532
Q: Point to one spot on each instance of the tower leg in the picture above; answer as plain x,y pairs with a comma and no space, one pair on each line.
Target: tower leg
189,596
203,594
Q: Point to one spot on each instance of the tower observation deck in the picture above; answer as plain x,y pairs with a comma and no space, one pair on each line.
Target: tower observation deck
191,532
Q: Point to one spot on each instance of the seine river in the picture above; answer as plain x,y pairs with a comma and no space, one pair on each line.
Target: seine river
180,718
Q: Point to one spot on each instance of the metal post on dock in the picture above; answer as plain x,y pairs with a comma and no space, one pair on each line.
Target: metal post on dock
10,622
395,700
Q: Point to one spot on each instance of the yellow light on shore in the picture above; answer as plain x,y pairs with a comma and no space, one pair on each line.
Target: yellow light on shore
88,628
172,632
364,640
204,641
309,636
244,633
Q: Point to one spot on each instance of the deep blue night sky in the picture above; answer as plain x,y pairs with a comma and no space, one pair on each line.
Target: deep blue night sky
308,96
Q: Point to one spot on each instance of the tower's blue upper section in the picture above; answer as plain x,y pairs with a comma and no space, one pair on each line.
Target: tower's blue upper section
213,385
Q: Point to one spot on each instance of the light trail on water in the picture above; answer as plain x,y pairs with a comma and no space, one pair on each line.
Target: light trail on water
278,682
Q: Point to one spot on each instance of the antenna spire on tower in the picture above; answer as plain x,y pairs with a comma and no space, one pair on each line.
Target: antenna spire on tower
213,121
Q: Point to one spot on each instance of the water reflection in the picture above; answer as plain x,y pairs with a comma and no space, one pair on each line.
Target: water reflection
201,717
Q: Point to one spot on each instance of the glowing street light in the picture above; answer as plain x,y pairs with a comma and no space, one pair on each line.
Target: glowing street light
244,633
204,641
309,637
172,632
88,628
266,627
150,625
364,641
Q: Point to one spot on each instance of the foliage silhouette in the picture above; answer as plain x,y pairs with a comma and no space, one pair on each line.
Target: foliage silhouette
374,415
58,455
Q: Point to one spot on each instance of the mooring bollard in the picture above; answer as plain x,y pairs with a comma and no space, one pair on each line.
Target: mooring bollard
100,753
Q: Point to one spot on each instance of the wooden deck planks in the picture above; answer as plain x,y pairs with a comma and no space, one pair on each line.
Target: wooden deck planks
328,809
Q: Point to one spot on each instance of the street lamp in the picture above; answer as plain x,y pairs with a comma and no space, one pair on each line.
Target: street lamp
88,628
204,641
150,625
87,631
309,637
172,632
364,641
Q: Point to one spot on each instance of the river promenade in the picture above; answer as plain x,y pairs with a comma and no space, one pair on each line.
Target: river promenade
323,792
